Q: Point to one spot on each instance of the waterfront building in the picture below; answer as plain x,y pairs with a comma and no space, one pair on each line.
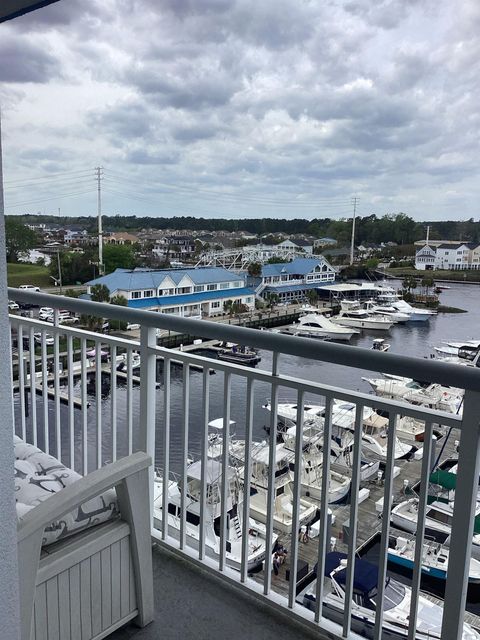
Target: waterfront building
199,292
120,238
425,258
458,257
297,245
294,280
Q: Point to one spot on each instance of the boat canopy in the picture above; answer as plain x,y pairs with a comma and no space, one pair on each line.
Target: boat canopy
213,471
218,423
365,576
445,479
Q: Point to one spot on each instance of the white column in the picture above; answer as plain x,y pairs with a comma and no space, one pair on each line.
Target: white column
9,602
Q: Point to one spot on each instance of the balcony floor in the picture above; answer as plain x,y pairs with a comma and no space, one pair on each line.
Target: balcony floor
191,604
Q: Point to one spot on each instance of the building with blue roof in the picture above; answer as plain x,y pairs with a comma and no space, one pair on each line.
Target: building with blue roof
197,292
294,280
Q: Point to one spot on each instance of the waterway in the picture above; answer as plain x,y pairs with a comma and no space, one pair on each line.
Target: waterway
414,339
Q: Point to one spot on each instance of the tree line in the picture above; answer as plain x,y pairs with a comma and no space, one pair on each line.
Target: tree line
399,227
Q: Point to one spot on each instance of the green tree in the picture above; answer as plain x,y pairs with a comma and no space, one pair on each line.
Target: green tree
19,239
271,299
77,268
119,325
98,293
371,263
427,283
255,269
277,260
117,256
312,296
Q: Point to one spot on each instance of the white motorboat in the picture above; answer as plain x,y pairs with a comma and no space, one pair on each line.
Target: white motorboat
389,311
374,432
283,505
352,315
379,344
256,534
434,396
122,361
287,412
396,602
438,521
415,314
435,557
319,326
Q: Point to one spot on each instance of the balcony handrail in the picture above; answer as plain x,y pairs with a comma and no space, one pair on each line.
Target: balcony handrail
346,355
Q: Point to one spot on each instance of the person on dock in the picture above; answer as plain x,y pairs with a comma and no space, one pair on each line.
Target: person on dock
276,563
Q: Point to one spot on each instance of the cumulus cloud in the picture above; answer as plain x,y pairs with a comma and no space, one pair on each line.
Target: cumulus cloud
275,99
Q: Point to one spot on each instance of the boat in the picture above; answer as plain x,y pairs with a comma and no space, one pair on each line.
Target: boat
438,521
122,361
435,557
319,326
379,344
415,314
434,396
396,602
352,315
374,431
283,504
212,514
239,355
374,308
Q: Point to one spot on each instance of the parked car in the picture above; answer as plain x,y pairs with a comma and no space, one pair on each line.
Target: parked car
45,313
13,306
37,337
29,287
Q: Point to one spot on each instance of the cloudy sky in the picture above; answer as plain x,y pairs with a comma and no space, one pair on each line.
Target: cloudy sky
243,108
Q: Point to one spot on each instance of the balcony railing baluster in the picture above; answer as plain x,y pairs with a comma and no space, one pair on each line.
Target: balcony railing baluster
166,444
46,444
204,459
183,477
21,380
297,485
113,400
33,386
323,542
71,407
387,507
225,482
247,475
421,511
98,400
83,388
352,529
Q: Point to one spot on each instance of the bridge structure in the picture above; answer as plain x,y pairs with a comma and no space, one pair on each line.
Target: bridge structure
239,259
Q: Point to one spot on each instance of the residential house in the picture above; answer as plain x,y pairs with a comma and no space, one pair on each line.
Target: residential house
425,258
297,245
183,292
294,280
453,256
324,242
120,238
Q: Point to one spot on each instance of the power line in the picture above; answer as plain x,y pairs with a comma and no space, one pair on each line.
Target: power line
48,176
57,197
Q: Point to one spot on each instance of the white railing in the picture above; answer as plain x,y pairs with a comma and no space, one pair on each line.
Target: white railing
87,437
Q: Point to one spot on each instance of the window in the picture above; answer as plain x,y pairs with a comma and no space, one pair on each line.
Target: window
184,290
215,305
225,285
237,284
212,287
198,288
136,294
148,293
249,300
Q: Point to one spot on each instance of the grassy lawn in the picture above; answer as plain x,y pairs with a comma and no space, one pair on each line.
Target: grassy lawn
462,276
18,273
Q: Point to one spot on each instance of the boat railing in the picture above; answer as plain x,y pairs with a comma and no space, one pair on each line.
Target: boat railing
67,414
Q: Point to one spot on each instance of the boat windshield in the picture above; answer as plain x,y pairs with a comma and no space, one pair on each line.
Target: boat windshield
393,595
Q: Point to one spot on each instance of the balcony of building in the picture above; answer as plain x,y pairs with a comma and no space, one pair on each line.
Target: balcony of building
91,399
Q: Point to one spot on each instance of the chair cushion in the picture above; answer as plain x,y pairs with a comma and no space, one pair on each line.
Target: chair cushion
39,475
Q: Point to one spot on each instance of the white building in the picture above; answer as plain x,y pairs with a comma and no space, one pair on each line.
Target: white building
456,256
296,245
183,292
425,258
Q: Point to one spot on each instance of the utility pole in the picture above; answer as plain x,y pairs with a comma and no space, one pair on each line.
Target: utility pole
428,235
99,176
352,244
59,272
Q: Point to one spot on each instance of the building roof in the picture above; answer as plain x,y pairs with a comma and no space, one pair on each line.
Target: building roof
456,246
301,266
189,298
134,279
286,288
